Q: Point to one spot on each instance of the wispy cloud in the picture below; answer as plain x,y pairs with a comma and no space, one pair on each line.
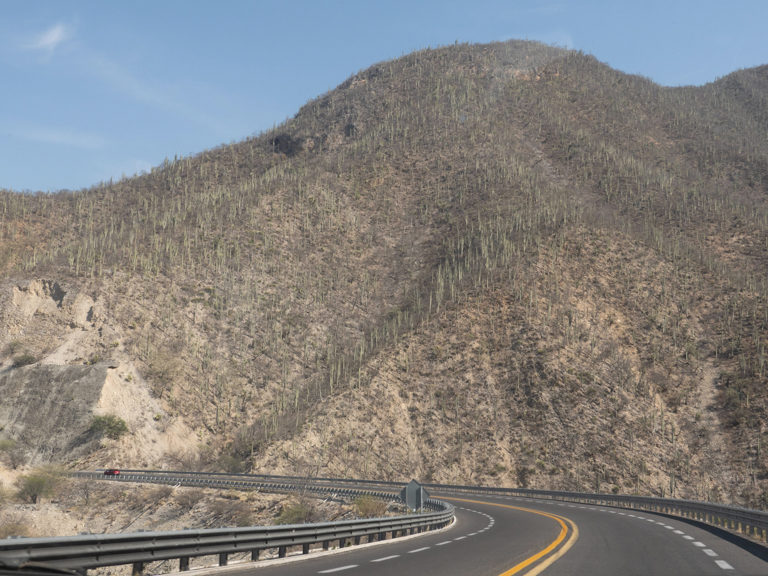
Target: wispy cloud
59,136
114,75
153,94
123,81
51,39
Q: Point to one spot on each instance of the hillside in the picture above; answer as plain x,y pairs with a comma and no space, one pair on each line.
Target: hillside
504,264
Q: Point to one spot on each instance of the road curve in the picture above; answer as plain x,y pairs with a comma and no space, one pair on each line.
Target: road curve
502,536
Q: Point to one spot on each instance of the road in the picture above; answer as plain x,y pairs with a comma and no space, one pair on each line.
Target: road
506,535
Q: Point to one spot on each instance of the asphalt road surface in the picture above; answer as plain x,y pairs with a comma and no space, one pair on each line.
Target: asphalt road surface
507,535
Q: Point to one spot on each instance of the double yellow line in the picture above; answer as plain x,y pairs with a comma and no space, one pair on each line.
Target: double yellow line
546,553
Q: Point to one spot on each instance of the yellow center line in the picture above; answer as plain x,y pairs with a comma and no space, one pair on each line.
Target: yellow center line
541,553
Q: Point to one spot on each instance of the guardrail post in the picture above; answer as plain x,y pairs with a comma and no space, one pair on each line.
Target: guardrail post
183,563
254,555
326,544
281,551
223,559
305,548
138,568
357,540
342,542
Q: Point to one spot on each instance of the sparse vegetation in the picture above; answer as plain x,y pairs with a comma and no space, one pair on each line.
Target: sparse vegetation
297,511
109,425
23,360
232,512
12,453
189,497
559,270
38,484
370,507
13,524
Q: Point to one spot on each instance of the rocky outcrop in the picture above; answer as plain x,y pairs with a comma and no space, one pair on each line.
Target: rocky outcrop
47,409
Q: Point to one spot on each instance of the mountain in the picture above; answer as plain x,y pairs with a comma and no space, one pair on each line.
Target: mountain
504,264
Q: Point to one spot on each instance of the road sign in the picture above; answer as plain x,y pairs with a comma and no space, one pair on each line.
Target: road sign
414,495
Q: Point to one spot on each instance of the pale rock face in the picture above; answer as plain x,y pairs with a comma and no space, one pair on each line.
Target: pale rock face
80,370
47,409
41,297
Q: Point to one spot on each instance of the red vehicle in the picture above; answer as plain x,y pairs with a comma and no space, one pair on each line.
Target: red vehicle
111,472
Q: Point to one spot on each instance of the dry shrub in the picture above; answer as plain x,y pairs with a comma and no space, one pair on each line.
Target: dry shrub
301,511
39,483
148,497
106,493
231,513
13,524
370,507
159,493
188,498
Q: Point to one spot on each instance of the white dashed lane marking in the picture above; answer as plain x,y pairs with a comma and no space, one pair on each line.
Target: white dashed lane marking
339,569
708,551
394,556
386,558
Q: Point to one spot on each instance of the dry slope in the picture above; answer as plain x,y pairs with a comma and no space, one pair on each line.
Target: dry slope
504,263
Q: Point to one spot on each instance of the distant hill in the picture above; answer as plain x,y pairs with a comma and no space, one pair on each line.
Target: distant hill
504,264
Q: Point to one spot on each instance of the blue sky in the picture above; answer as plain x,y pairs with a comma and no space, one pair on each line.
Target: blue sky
92,90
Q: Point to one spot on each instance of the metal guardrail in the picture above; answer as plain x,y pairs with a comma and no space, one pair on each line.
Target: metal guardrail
752,523
83,552
80,553
279,484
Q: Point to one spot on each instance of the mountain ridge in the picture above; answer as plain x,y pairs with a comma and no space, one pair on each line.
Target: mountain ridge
602,240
